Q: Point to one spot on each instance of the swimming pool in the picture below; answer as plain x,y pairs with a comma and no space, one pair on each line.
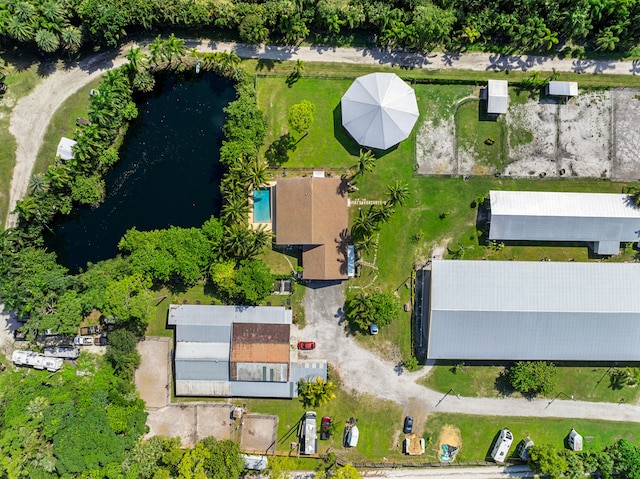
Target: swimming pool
262,205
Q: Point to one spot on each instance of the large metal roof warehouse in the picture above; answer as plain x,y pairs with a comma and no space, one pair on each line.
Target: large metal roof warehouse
604,219
510,310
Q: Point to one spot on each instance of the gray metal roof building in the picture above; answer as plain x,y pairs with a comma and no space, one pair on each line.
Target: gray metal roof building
508,310
236,351
562,88
604,219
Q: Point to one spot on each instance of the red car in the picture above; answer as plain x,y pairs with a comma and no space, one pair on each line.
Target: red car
306,345
325,428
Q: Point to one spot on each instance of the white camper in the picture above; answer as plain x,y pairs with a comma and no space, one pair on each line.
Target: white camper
502,445
309,438
36,361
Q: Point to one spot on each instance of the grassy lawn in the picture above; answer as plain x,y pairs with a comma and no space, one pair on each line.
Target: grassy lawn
420,219
478,432
584,383
474,130
20,82
379,423
63,123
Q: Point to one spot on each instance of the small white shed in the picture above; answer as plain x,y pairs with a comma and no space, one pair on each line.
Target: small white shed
574,441
562,88
497,96
65,148
502,445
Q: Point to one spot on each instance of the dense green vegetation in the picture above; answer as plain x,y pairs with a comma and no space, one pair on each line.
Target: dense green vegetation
422,25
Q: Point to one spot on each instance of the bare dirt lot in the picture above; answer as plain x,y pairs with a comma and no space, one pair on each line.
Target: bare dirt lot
592,136
192,422
152,377
259,433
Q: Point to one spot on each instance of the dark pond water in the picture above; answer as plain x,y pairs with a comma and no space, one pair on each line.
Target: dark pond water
169,172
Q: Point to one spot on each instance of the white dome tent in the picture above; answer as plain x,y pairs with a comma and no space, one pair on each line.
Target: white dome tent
379,110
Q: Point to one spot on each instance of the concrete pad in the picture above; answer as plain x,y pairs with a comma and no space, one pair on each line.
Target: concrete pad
259,433
173,421
214,420
152,377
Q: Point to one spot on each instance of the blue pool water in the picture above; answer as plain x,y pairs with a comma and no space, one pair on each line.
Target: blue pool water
262,205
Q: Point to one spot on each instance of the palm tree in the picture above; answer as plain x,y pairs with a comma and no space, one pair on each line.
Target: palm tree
607,40
24,11
144,81
228,60
71,38
256,172
156,51
363,225
47,41
365,243
382,213
366,162
136,59
38,183
58,175
634,192
261,238
19,30
235,209
53,12
174,47
298,68
398,193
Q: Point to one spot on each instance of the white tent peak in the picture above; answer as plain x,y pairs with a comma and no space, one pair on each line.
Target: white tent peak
379,110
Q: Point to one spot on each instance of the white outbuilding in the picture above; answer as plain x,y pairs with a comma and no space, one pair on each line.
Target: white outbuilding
562,88
497,96
379,110
602,219
65,148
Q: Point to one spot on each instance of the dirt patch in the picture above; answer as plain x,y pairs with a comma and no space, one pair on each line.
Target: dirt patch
537,156
214,420
259,433
174,421
449,436
435,148
626,141
585,135
152,377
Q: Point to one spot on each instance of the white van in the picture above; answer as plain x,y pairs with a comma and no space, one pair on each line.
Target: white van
502,445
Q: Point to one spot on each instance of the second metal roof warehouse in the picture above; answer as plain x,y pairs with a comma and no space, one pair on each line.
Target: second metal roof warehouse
509,310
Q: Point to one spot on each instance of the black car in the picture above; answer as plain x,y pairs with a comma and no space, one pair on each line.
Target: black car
408,425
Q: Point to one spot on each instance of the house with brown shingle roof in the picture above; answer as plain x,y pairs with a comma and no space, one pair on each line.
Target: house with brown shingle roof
312,212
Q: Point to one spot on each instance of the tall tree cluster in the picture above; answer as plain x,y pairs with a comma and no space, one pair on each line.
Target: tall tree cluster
524,25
